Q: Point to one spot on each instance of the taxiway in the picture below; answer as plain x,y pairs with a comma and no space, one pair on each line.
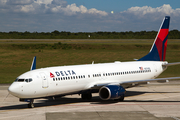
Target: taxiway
155,101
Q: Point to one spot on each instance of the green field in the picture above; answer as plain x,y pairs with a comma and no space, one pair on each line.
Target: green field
16,55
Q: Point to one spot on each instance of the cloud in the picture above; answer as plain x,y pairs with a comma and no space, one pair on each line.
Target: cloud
46,6
166,9
61,3
73,10
50,15
46,2
18,2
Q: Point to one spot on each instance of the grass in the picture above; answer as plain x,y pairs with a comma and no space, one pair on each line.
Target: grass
16,57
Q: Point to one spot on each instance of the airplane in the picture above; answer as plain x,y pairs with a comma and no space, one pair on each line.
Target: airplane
108,79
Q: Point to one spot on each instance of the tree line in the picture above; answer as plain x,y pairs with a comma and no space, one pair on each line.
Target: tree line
173,34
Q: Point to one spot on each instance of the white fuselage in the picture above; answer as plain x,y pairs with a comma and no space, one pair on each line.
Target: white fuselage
68,79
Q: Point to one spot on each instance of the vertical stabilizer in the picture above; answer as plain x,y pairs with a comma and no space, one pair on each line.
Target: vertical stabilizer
33,66
158,49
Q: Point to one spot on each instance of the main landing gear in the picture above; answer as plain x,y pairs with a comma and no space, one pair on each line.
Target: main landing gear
86,96
31,104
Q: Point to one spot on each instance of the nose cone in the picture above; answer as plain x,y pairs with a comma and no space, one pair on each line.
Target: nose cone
14,89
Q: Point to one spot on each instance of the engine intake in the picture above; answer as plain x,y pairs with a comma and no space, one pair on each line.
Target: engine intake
111,92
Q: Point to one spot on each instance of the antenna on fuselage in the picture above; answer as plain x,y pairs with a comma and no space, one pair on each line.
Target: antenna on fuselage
33,65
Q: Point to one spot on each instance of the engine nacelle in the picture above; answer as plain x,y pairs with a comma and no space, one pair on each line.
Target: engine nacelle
111,92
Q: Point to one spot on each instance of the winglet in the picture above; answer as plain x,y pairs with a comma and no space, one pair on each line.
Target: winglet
33,65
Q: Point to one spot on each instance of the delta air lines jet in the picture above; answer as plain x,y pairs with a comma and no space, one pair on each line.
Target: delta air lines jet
108,79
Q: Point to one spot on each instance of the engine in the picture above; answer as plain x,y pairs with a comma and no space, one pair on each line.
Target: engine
111,92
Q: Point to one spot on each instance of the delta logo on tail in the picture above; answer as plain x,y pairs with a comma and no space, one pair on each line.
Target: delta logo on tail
158,49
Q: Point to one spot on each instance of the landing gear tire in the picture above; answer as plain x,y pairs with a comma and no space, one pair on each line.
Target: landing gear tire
87,96
121,98
31,104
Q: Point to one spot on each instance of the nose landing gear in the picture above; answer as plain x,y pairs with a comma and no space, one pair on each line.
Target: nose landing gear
30,101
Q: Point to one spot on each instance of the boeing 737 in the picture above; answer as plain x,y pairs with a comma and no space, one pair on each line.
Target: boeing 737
108,79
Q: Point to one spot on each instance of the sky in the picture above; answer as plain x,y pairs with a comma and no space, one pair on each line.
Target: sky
87,15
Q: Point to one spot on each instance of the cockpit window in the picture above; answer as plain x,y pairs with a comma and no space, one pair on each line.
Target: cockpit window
22,80
28,80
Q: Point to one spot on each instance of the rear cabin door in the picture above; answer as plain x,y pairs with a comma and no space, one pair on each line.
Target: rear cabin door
155,69
44,80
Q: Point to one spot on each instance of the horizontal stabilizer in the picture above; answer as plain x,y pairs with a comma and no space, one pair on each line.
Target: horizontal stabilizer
170,64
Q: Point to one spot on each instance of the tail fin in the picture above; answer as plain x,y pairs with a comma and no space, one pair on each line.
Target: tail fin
158,49
33,65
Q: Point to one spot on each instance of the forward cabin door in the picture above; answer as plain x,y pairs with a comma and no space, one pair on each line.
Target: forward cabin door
44,80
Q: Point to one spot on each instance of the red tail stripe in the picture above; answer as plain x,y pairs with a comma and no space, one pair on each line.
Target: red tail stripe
164,55
163,33
159,42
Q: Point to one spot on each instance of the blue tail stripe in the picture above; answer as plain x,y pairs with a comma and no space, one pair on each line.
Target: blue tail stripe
166,23
151,56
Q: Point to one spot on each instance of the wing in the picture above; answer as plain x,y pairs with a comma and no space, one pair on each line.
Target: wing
127,84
